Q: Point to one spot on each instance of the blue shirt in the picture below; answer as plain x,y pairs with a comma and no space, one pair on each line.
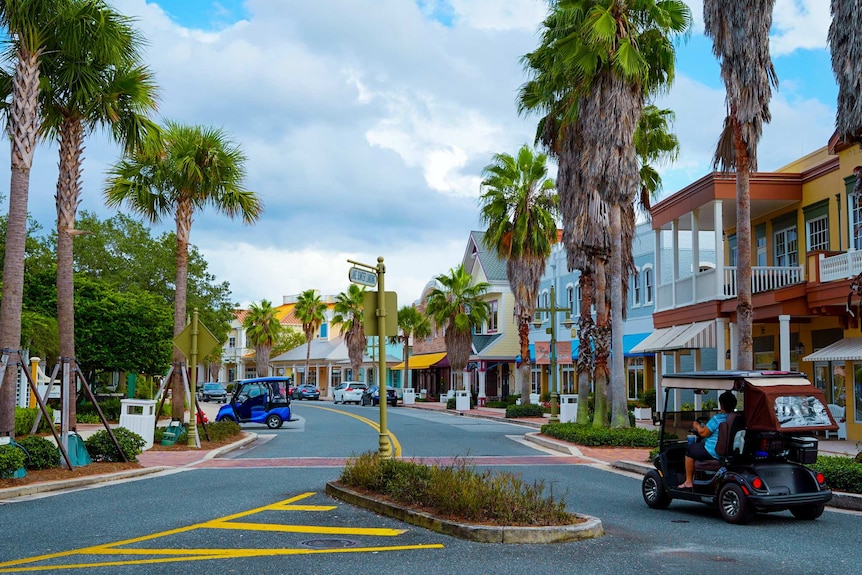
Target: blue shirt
711,441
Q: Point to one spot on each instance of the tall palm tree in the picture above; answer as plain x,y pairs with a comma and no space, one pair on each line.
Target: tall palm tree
412,323
91,79
195,167
519,205
846,57
457,306
349,308
30,25
740,40
310,310
262,329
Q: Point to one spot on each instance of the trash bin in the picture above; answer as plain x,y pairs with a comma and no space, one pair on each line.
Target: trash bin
568,408
409,396
482,401
139,415
462,400
423,394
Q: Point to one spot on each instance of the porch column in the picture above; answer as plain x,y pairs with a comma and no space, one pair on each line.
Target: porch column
718,218
659,371
734,340
695,253
784,342
482,397
675,272
720,343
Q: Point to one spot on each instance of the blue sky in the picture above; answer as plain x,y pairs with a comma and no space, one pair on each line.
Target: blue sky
367,124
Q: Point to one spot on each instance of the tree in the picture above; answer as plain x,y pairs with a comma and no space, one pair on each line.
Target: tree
846,57
29,25
458,307
288,339
740,40
412,323
196,167
262,329
91,79
519,205
310,310
349,308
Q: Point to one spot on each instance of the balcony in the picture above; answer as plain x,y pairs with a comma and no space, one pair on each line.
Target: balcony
840,266
704,286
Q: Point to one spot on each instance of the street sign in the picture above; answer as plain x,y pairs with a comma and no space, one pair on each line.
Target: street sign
206,341
361,276
369,318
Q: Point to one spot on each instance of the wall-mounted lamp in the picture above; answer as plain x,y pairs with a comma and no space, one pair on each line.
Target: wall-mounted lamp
727,355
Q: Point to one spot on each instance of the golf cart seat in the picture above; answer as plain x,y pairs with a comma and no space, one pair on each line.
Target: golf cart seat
727,430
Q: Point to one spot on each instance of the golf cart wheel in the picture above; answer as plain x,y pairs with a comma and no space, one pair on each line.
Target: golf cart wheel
273,421
653,491
225,418
808,512
734,505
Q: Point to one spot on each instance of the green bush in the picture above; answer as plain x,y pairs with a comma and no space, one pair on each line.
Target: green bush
528,410
24,418
498,404
450,403
842,473
111,408
11,460
457,490
41,453
101,448
647,398
596,436
221,429
87,418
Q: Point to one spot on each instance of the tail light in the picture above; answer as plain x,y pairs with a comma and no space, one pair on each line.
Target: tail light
821,479
757,483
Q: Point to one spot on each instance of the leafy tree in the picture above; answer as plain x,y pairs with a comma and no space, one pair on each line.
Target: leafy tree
412,323
288,339
262,328
349,308
197,167
311,311
458,307
519,205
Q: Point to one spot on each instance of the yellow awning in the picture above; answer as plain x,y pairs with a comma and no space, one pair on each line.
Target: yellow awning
422,361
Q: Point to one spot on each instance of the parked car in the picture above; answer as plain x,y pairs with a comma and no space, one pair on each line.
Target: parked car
762,450
212,391
349,392
371,396
258,400
305,391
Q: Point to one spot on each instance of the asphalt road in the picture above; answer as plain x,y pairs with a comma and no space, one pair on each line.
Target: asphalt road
262,510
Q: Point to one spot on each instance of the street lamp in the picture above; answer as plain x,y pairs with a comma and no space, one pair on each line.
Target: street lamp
567,323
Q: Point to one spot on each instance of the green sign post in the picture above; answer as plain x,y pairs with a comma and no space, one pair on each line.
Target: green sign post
194,341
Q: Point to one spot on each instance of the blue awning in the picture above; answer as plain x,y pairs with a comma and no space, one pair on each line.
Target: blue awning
630,341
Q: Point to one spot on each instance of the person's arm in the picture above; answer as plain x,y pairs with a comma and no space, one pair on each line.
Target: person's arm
706,430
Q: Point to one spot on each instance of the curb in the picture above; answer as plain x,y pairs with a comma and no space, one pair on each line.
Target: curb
590,528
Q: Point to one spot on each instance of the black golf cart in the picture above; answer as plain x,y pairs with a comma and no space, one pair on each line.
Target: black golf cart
763,446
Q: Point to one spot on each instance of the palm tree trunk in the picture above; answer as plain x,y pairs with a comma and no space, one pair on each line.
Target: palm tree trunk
68,193
23,123
744,311
308,362
184,224
525,372
585,354
602,343
619,405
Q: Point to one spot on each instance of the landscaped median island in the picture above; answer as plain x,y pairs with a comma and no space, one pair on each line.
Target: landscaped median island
457,500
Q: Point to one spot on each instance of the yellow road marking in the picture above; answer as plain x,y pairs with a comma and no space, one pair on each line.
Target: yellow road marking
396,445
227,522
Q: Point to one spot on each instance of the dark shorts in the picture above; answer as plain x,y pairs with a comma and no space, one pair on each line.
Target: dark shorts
698,452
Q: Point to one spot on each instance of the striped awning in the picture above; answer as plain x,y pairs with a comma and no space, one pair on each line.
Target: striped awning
696,335
849,348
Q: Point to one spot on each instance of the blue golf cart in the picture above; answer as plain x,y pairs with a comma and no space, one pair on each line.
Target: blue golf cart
258,400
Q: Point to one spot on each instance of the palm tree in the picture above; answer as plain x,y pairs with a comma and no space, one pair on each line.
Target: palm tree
30,25
519,205
195,167
310,310
262,329
349,307
91,78
740,40
458,307
411,323
846,56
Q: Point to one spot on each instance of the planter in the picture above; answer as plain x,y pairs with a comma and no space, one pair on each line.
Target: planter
643,413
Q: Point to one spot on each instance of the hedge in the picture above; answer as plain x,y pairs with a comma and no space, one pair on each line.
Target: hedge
842,473
528,410
599,436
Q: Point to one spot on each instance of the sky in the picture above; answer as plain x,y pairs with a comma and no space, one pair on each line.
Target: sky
367,124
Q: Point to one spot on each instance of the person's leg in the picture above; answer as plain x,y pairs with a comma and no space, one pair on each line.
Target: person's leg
693,452
689,473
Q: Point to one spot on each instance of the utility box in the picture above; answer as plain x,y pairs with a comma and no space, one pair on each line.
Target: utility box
534,398
408,397
568,408
462,400
139,415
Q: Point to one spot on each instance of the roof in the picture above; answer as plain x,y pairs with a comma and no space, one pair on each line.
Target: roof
482,341
492,265
333,350
849,348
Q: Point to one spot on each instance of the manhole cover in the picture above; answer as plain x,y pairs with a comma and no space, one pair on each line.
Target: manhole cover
679,521
328,543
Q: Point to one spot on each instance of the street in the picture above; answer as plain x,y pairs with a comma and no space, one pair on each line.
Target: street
261,509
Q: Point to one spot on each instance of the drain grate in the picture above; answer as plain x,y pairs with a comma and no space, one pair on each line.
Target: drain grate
328,543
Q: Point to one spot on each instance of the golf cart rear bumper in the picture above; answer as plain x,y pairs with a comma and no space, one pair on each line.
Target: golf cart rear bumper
776,502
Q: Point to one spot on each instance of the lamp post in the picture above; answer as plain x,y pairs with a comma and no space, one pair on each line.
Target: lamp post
552,330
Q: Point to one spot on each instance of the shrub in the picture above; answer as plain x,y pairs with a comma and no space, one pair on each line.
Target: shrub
41,453
498,404
87,418
450,403
842,473
24,418
596,436
647,398
457,490
11,460
529,410
101,448
222,429
111,408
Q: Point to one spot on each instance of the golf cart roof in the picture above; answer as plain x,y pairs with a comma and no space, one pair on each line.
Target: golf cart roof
732,380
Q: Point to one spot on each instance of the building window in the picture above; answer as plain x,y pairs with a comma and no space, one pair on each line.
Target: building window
492,316
570,298
324,331
818,234
545,305
856,220
786,247
648,281
231,341
576,309
761,251
635,376
636,289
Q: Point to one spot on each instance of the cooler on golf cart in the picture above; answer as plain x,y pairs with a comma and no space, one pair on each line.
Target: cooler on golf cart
762,447
259,400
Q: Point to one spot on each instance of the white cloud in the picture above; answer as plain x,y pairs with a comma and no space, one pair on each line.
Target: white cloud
799,24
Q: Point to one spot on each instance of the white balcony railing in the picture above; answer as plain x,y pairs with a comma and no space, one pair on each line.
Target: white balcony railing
841,266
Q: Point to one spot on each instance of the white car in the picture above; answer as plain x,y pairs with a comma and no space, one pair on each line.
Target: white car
349,391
